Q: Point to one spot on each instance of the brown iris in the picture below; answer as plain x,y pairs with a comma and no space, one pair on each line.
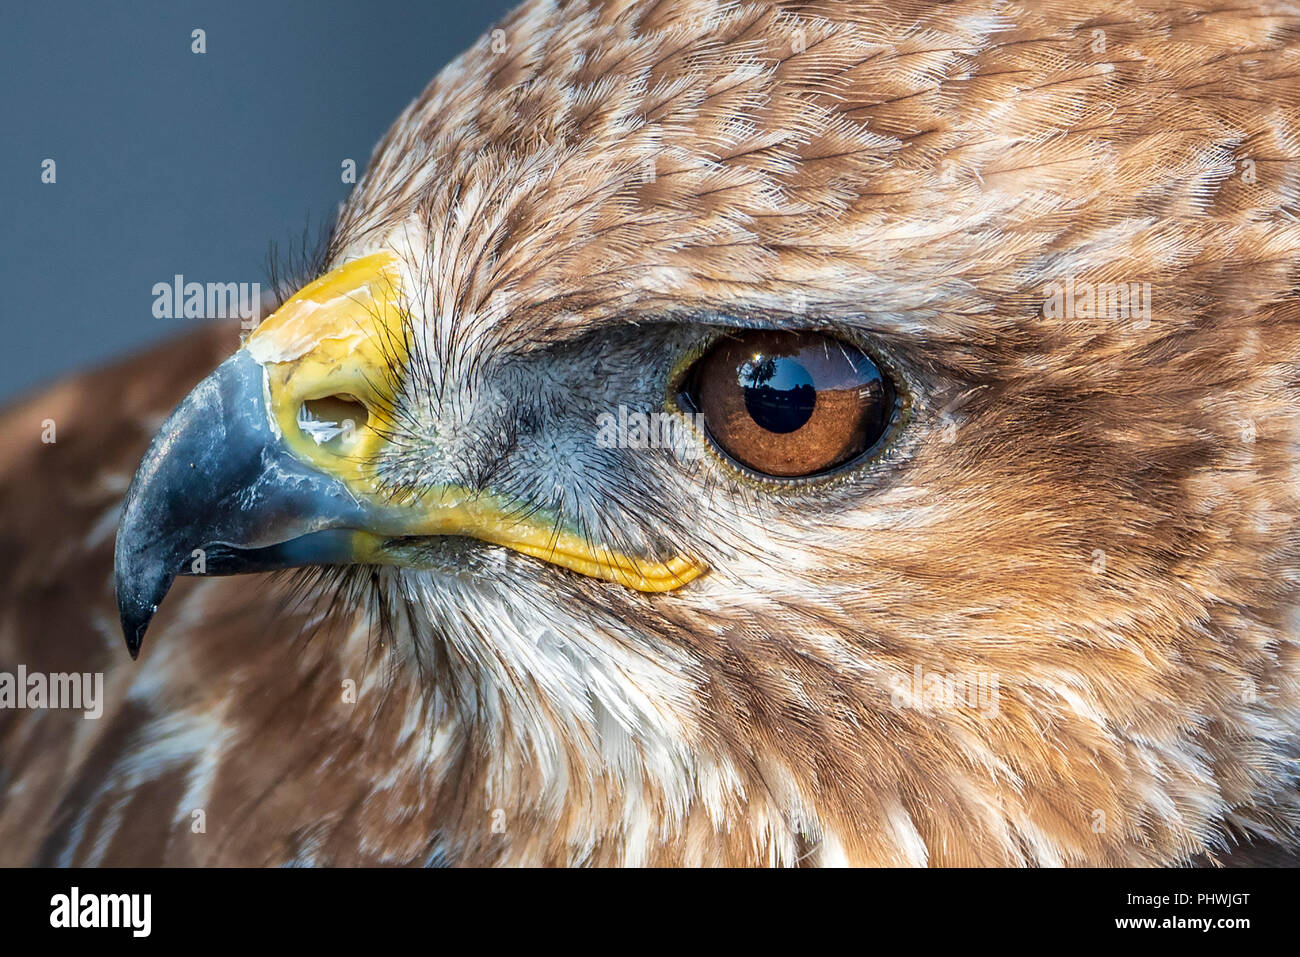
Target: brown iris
790,404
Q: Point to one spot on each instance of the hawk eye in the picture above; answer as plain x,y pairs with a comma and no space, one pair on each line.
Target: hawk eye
789,404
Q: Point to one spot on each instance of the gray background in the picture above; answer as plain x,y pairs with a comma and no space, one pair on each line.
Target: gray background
171,162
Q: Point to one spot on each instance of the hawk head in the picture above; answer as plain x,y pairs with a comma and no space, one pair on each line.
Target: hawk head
792,431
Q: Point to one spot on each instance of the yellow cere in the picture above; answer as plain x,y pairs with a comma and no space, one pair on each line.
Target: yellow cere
326,341
332,341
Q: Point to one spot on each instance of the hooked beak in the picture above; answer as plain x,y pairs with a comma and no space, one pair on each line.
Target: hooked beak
237,480
218,493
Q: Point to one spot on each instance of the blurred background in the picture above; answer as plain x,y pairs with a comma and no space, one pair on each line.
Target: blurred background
169,161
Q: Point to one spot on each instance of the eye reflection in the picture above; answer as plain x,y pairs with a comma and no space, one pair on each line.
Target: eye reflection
779,393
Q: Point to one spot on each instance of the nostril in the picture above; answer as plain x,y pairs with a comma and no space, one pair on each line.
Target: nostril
334,421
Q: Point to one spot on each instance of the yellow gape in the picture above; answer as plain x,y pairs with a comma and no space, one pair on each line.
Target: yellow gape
325,352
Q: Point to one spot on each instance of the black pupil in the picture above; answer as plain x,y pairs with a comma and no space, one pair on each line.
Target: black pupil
779,393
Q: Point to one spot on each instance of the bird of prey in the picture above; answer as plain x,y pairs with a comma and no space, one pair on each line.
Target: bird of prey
719,433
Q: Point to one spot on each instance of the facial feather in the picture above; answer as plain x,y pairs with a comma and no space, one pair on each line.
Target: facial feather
917,178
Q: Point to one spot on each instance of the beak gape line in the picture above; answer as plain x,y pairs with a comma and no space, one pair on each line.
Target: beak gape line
233,484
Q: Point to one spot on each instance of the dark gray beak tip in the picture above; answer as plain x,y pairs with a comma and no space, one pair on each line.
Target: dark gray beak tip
135,612
134,632
169,498
141,582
